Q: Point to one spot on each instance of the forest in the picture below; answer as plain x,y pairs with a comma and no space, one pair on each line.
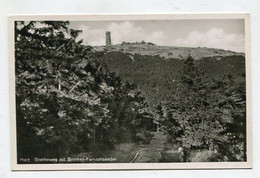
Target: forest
71,99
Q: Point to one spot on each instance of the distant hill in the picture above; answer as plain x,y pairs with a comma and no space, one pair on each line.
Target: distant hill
166,52
155,69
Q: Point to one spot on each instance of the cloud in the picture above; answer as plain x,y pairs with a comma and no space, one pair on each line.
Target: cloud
130,32
91,36
157,37
213,38
125,31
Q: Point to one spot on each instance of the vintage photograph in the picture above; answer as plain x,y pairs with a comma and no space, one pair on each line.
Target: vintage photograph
93,92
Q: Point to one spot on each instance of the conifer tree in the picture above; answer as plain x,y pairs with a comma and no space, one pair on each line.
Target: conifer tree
67,101
208,114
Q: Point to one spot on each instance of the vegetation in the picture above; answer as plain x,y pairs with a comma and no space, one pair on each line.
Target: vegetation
157,77
206,114
201,104
67,101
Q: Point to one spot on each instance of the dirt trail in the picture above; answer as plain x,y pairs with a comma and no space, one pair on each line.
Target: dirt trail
151,153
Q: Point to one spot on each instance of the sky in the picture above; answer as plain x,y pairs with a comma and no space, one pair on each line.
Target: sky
228,34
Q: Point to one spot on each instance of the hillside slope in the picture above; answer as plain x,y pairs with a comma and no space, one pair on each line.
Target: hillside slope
155,69
166,52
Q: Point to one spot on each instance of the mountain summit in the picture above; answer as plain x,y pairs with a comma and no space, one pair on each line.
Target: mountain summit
167,52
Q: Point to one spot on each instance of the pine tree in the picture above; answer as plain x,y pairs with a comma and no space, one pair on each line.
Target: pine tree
67,100
208,114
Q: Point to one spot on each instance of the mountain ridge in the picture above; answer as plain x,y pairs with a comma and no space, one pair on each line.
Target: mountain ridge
155,75
167,52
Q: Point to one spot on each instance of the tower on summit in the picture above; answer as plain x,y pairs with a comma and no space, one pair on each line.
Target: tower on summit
108,38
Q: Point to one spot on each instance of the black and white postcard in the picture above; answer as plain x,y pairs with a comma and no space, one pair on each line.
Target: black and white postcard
100,92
